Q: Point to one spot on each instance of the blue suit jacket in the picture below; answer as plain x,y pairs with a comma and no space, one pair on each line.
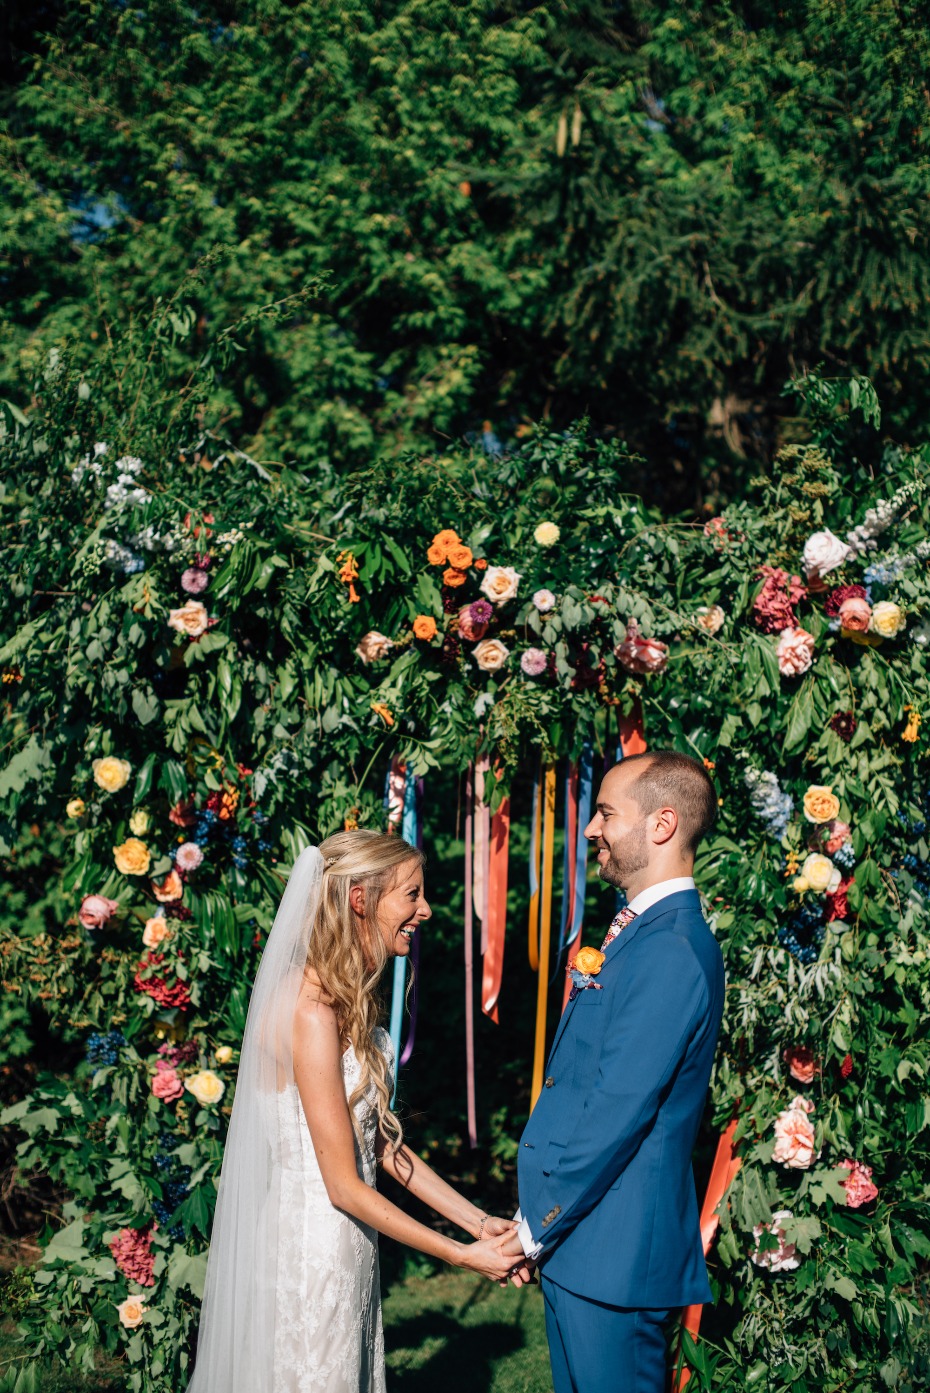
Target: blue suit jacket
605,1161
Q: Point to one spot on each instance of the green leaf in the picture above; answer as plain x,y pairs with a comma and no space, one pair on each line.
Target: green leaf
29,763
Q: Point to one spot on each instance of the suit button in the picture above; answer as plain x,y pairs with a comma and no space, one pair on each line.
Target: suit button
549,1081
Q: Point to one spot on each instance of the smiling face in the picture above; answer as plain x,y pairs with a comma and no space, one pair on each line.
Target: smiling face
402,909
618,831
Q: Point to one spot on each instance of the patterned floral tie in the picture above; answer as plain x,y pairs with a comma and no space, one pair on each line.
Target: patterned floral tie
618,925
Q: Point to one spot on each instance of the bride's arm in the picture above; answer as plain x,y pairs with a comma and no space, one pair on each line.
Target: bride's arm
421,1180
318,1075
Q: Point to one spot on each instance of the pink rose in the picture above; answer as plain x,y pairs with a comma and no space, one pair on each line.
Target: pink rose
167,1084
802,1064
188,856
794,1136
469,628
638,654
856,615
155,932
784,1257
859,1186
95,910
795,652
194,580
838,836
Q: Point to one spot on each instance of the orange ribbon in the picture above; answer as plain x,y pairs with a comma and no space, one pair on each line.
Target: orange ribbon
496,913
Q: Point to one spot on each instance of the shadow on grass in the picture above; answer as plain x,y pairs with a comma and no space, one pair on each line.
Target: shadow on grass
448,1355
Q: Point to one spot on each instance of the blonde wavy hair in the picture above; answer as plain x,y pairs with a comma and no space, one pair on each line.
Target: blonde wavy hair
349,958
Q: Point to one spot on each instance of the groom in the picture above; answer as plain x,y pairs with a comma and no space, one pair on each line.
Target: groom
607,1196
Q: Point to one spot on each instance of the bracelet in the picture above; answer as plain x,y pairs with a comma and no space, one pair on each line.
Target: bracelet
481,1226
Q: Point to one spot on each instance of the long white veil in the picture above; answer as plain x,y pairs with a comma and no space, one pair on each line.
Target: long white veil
235,1351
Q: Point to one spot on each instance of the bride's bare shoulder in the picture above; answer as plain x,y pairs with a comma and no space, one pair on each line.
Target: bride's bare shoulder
314,1002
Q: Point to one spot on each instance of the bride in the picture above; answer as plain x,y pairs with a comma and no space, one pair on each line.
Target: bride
292,1301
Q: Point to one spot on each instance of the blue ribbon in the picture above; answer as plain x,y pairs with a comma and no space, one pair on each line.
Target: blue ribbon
410,834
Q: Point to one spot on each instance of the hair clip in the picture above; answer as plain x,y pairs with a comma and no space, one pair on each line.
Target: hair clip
330,861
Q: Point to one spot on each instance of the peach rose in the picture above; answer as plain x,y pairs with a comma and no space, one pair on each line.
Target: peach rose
453,578
460,556
75,808
794,1138
468,627
490,654
171,888
424,627
794,652
859,1186
374,646
131,1312
191,619
802,1064
500,584
638,654
111,774
710,618
589,961
820,803
155,932
855,615
168,1085
132,857
95,910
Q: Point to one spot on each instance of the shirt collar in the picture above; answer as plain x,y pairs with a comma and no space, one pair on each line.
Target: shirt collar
654,893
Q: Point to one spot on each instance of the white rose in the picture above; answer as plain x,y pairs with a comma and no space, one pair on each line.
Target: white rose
490,654
823,552
710,618
500,584
131,1312
206,1087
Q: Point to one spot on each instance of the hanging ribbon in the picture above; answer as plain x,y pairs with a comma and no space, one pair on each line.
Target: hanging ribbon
584,784
569,858
400,805
545,928
482,848
470,960
632,734
535,852
496,919
725,1167
412,833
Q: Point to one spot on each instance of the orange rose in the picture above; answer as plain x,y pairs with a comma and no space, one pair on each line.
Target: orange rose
171,888
424,626
436,556
589,961
453,578
446,539
460,556
821,804
481,564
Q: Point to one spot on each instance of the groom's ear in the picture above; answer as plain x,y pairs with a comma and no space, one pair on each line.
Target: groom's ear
665,825
357,900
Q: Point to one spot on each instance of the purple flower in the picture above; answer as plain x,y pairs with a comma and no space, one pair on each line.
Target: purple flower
481,611
194,580
534,662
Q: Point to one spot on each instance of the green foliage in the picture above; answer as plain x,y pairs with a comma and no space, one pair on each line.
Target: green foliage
651,212
259,709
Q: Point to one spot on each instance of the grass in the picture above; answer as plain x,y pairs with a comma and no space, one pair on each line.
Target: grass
450,1331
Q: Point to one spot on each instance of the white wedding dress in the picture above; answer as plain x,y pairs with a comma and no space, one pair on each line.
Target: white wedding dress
327,1293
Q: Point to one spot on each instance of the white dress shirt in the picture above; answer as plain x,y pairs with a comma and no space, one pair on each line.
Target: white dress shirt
639,904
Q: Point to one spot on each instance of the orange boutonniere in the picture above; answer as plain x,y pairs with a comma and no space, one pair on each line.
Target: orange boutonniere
589,961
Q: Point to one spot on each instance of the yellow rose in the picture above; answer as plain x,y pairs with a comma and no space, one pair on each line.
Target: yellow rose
223,1054
156,931
818,871
75,808
139,823
800,884
131,1312
821,804
589,961
133,857
206,1087
547,534
887,619
111,774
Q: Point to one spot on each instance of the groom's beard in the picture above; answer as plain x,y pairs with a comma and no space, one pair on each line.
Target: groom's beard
627,856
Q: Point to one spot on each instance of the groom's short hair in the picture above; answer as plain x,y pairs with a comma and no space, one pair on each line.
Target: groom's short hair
669,779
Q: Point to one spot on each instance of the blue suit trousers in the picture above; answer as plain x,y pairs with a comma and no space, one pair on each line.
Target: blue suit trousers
596,1348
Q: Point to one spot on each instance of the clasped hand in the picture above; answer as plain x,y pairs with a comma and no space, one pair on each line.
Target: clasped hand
500,1256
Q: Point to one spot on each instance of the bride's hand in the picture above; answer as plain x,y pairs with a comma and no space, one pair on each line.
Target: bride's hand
492,1227
487,1258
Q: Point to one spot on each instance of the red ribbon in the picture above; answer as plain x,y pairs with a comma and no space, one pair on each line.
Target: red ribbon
496,917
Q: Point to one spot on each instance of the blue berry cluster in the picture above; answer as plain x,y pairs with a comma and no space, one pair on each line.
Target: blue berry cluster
175,1184
239,849
260,820
845,858
203,827
104,1049
920,870
804,933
